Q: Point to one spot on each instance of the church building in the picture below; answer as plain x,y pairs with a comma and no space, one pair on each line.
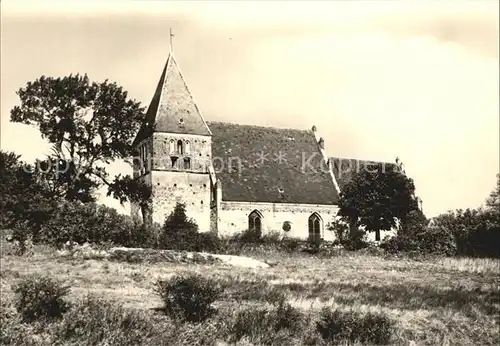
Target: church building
233,177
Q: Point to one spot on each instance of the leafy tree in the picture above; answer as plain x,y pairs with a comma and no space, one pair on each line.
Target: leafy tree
493,201
25,201
376,198
60,177
89,125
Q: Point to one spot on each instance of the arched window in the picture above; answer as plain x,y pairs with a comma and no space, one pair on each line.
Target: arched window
315,227
180,147
187,147
187,163
172,146
255,221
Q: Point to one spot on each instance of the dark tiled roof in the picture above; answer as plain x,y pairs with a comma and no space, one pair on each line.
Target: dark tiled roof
300,177
172,108
344,169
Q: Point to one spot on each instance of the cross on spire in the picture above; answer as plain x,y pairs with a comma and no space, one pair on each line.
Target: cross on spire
171,43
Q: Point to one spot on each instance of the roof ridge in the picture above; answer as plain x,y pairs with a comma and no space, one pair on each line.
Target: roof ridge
258,126
356,159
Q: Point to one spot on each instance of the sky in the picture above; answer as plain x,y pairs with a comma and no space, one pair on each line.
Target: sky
379,79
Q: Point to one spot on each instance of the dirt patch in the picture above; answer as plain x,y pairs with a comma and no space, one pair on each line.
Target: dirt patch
140,255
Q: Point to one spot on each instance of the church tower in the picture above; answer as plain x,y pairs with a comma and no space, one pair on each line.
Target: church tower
175,145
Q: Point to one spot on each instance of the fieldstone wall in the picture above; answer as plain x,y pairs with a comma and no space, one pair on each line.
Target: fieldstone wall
197,148
172,183
233,218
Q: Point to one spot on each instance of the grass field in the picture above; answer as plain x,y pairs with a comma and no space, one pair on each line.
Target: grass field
435,302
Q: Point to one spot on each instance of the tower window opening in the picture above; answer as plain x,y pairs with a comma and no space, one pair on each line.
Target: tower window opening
174,161
180,147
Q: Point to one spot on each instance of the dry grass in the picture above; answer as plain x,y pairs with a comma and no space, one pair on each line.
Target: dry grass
440,301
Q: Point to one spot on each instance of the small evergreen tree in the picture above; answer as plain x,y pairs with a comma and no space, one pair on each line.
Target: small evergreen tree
180,232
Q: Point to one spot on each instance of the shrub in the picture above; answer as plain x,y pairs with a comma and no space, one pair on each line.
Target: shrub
340,326
477,232
271,238
313,246
471,232
340,229
288,317
262,324
10,326
39,297
253,322
73,221
250,236
188,298
291,244
143,236
210,242
355,240
415,236
93,223
351,239
96,321
255,236
22,245
376,329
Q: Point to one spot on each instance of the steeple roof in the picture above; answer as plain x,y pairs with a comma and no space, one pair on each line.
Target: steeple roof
173,108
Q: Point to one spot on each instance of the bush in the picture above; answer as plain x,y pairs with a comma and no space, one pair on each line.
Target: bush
254,237
340,326
271,238
340,229
250,236
96,321
288,317
477,232
188,298
355,240
253,322
351,240
291,244
143,236
98,224
471,232
210,242
261,325
39,297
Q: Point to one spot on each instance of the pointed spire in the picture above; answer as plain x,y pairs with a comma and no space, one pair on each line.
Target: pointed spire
173,108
